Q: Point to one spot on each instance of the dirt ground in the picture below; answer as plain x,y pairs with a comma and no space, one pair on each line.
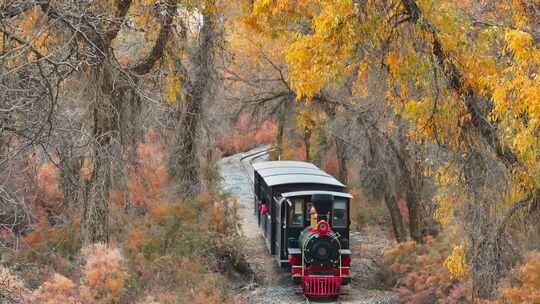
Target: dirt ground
274,285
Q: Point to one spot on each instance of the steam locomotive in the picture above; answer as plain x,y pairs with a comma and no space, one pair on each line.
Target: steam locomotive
303,213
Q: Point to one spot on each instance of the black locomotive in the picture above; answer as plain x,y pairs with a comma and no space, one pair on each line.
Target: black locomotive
304,216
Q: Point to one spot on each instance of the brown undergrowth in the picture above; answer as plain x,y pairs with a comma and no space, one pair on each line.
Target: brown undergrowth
163,249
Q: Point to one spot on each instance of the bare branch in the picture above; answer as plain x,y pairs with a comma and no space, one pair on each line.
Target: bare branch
146,64
122,7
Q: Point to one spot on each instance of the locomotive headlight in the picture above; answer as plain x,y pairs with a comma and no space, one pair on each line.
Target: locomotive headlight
323,228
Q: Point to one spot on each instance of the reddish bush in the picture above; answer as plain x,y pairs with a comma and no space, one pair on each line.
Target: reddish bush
103,281
404,210
148,178
527,287
292,150
331,164
247,135
104,275
47,181
58,290
52,246
422,275
43,188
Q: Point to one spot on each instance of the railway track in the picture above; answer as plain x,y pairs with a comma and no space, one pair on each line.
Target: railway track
250,157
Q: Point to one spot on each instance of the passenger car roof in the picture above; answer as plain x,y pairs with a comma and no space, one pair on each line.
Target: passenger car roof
293,172
311,192
282,164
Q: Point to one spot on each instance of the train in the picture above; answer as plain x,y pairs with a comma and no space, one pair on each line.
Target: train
304,216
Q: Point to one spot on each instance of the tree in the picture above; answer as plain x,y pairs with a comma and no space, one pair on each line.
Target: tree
197,86
88,31
436,81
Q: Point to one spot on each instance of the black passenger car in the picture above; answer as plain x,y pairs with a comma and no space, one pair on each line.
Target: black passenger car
317,253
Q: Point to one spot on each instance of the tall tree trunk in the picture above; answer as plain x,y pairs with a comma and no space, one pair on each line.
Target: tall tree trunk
70,181
184,161
307,143
341,151
95,221
414,219
379,158
131,129
400,232
281,127
487,252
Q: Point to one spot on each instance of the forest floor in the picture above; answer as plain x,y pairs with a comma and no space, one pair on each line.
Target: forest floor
273,284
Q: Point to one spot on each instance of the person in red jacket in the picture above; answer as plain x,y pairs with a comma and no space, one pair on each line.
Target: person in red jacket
264,209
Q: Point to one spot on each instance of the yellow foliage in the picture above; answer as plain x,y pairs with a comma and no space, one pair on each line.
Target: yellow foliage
456,263
172,86
519,42
306,120
392,60
449,196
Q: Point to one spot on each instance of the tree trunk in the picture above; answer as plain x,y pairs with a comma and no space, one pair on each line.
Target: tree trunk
414,219
341,151
69,168
281,128
185,164
307,143
95,220
486,252
397,220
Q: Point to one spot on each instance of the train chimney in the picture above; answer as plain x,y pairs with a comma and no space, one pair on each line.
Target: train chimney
323,204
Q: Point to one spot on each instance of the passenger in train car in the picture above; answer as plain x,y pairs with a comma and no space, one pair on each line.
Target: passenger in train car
313,216
264,209
296,214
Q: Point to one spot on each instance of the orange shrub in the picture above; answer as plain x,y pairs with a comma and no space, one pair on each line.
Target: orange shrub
104,277
43,190
266,133
47,181
148,178
291,150
51,246
104,274
58,290
206,292
160,247
247,135
331,164
86,170
528,287
421,273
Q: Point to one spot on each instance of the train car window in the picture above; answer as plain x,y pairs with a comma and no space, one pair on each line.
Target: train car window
339,214
308,215
296,213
